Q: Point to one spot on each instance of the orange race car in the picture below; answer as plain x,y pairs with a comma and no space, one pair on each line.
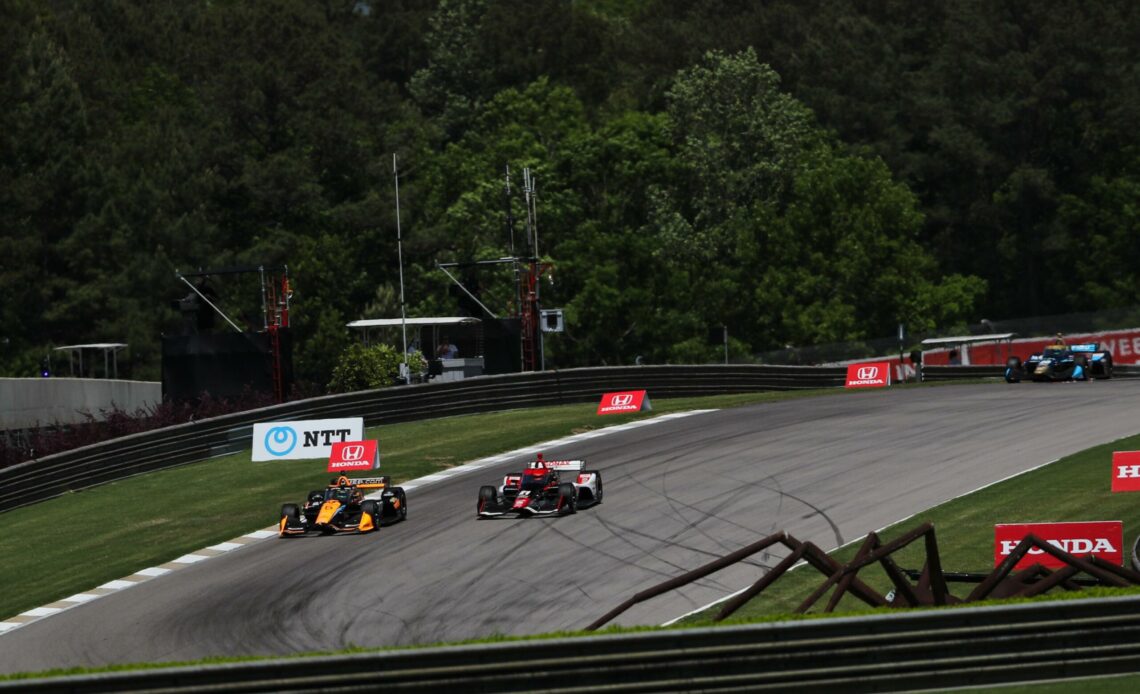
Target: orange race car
341,507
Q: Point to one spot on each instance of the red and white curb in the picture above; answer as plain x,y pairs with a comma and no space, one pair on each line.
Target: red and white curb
212,551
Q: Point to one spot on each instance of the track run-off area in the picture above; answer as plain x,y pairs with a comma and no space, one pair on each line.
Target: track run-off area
677,494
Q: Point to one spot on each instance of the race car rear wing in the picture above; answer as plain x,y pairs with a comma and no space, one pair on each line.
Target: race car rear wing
1088,347
573,465
363,482
371,482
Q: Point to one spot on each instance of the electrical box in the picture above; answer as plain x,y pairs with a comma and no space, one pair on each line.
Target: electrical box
552,320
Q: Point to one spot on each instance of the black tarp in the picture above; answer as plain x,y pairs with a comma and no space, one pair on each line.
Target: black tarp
225,365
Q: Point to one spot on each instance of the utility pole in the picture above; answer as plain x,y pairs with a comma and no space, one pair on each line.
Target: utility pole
400,257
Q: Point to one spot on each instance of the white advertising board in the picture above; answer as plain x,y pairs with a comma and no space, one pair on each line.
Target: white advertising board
303,440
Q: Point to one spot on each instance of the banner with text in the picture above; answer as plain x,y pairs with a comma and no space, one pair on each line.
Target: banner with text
303,440
625,401
877,375
355,455
1104,539
1126,471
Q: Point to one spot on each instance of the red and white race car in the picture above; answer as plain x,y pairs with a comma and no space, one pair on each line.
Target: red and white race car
542,489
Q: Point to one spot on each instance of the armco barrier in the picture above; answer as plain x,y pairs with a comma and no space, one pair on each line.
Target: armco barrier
27,483
958,373
81,468
939,649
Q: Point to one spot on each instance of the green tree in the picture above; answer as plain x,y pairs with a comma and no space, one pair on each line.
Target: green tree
363,368
44,137
785,239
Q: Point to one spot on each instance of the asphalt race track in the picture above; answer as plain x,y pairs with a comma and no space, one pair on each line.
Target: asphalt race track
677,495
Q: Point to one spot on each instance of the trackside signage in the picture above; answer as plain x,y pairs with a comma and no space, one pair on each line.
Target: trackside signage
625,401
355,455
1126,471
876,375
304,440
1104,539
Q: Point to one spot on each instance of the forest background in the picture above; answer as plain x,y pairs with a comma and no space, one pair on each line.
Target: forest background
801,171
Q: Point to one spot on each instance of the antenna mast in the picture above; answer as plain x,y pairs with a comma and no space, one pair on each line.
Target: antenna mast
400,257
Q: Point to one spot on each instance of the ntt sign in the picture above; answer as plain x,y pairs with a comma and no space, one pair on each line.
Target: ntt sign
303,440
877,375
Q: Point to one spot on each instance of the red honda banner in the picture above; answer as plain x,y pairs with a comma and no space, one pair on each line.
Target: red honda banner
1104,539
1126,471
354,455
876,375
625,401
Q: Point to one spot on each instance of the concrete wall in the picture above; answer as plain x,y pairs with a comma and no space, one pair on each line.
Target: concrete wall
31,402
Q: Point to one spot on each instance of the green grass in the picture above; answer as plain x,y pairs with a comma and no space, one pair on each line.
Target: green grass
80,540
1075,488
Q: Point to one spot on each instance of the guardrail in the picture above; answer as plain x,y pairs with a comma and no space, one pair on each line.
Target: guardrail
915,650
33,481
957,373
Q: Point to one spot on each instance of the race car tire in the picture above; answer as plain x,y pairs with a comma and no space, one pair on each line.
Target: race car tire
291,514
597,476
567,498
1083,362
403,513
486,496
1106,368
1013,370
371,508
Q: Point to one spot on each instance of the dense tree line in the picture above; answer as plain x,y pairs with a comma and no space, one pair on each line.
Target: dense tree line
801,171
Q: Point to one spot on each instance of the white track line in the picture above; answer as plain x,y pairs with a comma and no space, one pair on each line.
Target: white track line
147,574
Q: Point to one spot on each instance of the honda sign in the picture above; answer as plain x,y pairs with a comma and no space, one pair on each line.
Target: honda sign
354,455
1126,471
1104,539
625,401
877,375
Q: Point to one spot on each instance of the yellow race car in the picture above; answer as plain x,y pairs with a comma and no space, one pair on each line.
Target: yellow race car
341,507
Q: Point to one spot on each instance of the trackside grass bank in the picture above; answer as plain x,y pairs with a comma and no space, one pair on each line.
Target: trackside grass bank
80,540
1075,488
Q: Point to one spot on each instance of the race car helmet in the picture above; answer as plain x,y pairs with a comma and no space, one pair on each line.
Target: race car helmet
535,479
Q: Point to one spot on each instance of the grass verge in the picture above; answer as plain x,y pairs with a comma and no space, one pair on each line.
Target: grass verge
80,540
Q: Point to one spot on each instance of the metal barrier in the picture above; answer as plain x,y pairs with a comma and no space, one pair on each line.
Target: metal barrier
33,481
957,373
945,648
